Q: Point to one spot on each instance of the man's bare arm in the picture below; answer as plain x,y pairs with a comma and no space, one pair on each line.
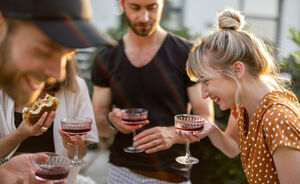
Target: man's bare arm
102,105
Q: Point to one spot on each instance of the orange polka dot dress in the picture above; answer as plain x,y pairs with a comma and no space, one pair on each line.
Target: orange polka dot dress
275,123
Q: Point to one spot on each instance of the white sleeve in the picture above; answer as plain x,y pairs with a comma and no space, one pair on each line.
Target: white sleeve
83,108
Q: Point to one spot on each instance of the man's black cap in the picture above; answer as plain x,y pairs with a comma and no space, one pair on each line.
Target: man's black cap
64,21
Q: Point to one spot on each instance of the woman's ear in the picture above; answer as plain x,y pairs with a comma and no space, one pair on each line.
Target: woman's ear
238,69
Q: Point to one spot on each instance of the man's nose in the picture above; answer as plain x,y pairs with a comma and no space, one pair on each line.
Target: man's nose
144,16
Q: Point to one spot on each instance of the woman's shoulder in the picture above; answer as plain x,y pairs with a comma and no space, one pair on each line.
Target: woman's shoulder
281,127
281,113
80,80
282,101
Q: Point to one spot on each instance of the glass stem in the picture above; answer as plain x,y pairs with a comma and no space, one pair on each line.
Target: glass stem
187,149
133,132
76,152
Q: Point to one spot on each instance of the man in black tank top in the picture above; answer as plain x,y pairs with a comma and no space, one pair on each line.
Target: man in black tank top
146,70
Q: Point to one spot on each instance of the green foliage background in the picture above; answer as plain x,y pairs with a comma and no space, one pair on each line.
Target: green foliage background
291,64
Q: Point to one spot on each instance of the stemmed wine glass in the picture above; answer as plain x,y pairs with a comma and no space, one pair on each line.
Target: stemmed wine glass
133,117
56,169
184,124
73,127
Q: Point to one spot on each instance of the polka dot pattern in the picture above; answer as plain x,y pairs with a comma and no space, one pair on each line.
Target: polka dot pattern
276,122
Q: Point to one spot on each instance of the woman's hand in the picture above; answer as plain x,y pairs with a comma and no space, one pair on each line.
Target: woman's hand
70,141
196,136
26,130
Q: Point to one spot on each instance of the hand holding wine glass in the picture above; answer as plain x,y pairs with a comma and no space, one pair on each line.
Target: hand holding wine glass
75,127
116,118
55,169
70,141
21,169
134,117
196,136
188,124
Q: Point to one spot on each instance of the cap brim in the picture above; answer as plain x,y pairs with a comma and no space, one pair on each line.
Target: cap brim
74,33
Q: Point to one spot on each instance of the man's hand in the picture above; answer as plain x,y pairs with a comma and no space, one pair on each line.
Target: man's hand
156,139
115,117
21,169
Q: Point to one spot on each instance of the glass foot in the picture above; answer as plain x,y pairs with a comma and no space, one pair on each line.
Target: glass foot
132,149
187,160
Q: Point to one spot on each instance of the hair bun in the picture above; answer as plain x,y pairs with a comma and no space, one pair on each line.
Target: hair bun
230,19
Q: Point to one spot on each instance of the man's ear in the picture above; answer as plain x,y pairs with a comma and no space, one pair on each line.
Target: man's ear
238,69
122,5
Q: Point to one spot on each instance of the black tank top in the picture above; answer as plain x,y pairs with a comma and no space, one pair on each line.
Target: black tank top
34,144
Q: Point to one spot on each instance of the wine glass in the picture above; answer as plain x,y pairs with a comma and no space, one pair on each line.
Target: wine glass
133,117
56,169
73,127
185,124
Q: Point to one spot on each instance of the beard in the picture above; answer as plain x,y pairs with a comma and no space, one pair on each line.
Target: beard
142,32
10,77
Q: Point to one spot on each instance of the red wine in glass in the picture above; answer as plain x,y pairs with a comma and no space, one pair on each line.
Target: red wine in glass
77,131
185,124
199,129
55,169
133,122
73,127
134,117
191,127
55,173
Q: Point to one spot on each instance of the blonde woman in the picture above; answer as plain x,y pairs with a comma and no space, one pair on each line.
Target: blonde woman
236,71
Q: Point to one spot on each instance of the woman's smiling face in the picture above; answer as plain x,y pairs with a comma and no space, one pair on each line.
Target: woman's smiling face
221,89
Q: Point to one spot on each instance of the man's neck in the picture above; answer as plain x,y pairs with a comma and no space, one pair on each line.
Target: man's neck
141,50
145,41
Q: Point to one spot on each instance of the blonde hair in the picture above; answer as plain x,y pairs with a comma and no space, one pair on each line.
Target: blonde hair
229,44
70,81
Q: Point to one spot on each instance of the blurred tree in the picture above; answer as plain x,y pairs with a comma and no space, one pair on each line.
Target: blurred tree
291,64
